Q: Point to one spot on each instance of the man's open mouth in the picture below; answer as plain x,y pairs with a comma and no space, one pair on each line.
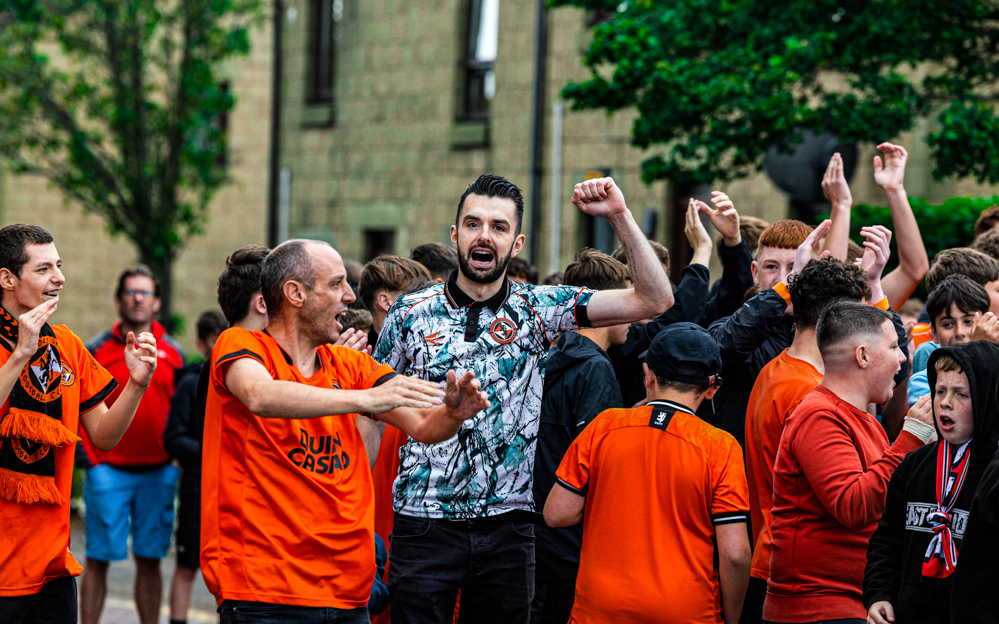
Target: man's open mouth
481,258
336,319
946,422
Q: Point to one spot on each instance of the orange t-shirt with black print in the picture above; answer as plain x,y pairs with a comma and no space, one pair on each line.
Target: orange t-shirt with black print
779,388
657,481
34,539
287,513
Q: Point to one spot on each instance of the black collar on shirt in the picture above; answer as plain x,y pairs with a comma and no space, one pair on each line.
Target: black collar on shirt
663,411
459,299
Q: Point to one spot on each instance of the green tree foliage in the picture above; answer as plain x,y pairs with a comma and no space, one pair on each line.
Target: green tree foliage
117,103
716,83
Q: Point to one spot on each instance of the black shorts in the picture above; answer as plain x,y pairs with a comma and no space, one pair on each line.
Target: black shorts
54,604
189,532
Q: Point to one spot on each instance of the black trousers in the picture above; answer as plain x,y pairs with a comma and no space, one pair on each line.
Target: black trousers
490,560
553,602
56,603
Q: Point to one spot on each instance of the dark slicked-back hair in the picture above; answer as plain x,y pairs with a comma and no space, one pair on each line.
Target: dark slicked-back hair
965,261
596,270
518,267
14,240
440,260
848,321
389,274
489,185
211,323
289,261
960,290
240,281
822,283
138,271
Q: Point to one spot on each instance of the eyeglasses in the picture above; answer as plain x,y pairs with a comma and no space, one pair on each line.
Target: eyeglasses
133,293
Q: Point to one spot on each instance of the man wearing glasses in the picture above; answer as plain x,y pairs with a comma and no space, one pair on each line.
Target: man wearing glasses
132,486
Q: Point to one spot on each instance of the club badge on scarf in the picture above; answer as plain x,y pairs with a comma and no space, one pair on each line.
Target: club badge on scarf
33,427
952,469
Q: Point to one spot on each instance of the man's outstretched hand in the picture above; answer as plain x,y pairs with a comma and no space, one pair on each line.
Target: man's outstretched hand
834,184
599,197
462,396
140,358
806,250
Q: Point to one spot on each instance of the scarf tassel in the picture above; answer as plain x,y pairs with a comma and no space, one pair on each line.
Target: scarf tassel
28,489
36,427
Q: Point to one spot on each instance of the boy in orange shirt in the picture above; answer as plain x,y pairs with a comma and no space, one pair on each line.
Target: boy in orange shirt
50,385
673,484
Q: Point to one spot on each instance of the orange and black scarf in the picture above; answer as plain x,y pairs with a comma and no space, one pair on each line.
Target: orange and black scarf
33,426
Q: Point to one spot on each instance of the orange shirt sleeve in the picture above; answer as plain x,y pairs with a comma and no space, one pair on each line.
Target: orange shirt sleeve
96,383
366,372
730,499
233,344
574,471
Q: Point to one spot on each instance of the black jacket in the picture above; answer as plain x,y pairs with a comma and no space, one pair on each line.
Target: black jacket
579,384
183,433
974,598
897,547
728,294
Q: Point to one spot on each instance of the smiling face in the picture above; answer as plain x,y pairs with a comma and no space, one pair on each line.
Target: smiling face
486,237
953,326
41,279
952,406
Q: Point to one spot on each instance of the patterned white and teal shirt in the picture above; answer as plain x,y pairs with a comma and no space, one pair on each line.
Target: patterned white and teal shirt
486,469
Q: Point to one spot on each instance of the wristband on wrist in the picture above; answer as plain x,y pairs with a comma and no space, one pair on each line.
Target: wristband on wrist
781,289
882,305
919,429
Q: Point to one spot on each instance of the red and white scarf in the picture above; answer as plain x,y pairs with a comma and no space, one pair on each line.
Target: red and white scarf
952,469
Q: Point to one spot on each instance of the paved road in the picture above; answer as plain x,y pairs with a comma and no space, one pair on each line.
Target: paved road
120,609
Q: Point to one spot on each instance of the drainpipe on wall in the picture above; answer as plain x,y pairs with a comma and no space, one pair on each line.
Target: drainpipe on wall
274,193
537,125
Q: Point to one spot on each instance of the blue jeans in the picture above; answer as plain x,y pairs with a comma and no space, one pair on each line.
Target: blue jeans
245,612
490,560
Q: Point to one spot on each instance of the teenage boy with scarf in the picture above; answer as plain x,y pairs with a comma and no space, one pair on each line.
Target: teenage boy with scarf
50,386
913,553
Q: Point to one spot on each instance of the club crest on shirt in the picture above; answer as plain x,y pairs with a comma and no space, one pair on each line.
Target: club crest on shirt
503,331
68,376
42,377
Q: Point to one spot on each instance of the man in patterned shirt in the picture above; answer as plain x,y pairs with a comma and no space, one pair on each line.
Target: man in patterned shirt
463,506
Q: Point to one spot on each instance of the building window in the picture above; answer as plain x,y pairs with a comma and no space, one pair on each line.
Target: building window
378,242
480,56
324,16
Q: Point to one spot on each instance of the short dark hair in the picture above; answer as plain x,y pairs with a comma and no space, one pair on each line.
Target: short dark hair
211,323
518,267
960,290
440,260
596,270
14,240
988,243
822,283
621,254
750,229
988,219
489,185
686,369
846,319
289,261
390,274
138,271
965,261
240,281
554,279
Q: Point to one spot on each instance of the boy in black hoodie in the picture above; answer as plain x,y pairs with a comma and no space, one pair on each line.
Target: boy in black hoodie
913,554
579,384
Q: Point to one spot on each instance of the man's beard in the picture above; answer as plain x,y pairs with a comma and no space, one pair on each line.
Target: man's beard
319,326
484,277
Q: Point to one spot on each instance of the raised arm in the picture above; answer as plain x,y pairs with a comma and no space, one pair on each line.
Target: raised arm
105,426
837,192
913,262
651,294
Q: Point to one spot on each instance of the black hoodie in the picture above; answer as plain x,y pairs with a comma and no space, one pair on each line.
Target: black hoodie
897,548
579,384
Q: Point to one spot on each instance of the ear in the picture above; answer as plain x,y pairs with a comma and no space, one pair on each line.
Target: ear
258,305
650,379
755,268
518,244
294,293
710,393
862,356
454,236
7,279
384,300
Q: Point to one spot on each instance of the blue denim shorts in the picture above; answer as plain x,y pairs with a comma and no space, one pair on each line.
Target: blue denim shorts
120,503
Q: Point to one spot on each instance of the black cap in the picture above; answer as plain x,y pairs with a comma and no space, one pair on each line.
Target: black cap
684,342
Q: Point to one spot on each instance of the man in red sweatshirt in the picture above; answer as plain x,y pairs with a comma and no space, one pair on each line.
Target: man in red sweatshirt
832,470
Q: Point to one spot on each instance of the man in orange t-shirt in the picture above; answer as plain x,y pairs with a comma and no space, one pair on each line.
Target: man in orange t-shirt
287,514
779,388
673,484
50,385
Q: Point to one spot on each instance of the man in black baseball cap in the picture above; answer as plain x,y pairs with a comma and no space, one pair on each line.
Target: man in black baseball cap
672,484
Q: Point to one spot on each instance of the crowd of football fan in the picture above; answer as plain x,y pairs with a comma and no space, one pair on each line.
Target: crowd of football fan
439,438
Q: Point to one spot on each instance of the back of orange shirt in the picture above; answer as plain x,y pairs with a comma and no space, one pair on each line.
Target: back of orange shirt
287,509
779,388
657,480
34,548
